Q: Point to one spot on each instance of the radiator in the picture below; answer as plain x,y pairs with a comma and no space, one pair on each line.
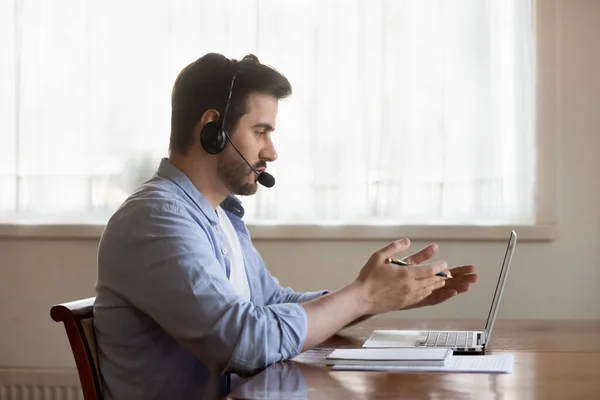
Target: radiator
30,392
39,385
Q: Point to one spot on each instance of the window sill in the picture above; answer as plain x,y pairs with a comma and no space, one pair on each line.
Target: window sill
547,232
392,232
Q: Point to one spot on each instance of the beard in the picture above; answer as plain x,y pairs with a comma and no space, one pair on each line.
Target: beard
234,171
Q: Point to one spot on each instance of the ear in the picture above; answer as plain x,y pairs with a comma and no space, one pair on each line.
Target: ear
208,116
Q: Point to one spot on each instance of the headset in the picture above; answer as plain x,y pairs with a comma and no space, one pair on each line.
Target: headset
214,138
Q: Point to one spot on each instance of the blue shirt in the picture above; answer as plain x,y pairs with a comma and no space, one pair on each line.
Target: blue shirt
168,323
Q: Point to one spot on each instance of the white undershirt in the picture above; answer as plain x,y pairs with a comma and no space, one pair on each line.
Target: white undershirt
237,275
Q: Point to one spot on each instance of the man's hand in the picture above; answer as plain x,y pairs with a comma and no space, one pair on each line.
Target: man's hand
463,277
381,287
387,287
417,258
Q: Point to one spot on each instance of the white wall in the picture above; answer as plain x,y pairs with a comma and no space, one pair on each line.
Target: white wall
558,279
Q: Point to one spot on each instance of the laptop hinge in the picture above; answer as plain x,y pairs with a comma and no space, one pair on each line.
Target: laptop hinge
480,338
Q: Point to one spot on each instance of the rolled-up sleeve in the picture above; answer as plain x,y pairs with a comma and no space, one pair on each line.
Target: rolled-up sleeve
168,269
287,295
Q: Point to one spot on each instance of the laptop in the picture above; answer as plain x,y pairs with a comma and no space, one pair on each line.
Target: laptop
461,342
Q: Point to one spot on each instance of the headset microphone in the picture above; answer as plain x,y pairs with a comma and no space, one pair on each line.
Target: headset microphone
264,178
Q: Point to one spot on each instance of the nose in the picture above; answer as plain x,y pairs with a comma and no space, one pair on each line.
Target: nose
268,152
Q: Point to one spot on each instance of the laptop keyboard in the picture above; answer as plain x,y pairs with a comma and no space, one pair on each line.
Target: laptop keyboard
446,339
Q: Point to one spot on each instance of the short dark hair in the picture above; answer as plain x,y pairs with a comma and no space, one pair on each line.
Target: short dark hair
204,85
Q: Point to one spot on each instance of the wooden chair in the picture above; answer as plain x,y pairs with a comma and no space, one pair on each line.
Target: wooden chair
78,317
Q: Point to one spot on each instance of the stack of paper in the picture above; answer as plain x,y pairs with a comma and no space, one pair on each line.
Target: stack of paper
390,357
495,363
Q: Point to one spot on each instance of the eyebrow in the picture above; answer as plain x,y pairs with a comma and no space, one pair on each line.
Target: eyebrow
268,127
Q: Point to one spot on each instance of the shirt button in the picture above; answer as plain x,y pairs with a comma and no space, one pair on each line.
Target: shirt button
223,251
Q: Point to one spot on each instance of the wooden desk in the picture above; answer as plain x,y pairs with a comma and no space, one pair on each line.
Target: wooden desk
553,360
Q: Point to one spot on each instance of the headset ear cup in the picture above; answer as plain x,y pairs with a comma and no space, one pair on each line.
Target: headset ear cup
212,138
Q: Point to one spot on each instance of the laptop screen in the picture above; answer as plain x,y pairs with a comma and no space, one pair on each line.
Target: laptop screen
489,325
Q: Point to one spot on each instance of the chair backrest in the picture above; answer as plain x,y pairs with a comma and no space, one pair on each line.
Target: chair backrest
78,318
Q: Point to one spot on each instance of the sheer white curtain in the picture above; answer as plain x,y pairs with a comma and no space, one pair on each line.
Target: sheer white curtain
414,111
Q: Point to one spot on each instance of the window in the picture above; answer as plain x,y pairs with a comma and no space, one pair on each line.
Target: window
409,112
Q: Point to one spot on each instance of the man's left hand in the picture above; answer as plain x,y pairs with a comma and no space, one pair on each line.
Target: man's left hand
463,278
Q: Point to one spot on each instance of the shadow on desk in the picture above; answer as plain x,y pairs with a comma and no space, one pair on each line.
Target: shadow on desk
553,360
293,380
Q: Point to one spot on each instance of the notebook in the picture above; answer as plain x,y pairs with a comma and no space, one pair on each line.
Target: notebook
488,364
397,356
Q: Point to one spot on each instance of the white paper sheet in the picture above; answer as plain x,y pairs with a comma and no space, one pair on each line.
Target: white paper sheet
495,363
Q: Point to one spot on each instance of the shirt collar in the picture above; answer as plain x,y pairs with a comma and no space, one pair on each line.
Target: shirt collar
231,203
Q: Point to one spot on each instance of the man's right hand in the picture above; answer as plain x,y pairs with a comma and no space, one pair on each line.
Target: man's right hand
389,287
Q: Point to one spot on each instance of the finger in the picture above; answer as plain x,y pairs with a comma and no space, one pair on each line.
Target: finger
428,291
460,288
432,283
391,249
428,270
422,255
463,269
471,278
444,295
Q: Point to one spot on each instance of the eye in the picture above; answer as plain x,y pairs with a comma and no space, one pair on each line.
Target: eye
260,133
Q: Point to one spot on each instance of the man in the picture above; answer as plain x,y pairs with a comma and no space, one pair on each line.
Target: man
183,297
